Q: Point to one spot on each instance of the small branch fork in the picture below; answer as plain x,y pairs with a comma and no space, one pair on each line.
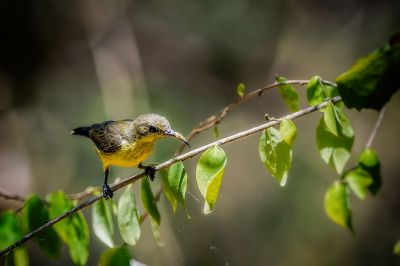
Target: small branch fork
124,182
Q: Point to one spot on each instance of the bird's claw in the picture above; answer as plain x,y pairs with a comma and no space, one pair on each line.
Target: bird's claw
107,192
149,171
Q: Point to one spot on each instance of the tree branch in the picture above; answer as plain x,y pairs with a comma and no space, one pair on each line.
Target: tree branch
124,182
10,195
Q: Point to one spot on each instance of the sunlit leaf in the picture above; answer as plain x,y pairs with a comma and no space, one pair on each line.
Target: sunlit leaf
148,201
337,205
369,161
316,92
168,190
330,118
115,256
155,228
10,232
73,230
177,179
288,131
128,217
276,154
334,150
10,229
102,221
35,214
372,80
209,172
289,94
359,180
241,89
345,125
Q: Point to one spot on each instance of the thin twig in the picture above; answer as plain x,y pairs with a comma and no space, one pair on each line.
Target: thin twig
124,182
216,119
376,127
10,195
87,192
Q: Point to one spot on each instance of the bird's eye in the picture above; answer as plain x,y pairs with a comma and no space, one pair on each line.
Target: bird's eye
152,129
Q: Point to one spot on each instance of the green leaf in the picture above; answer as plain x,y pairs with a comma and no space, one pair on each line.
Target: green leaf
174,182
10,232
128,217
115,256
73,230
289,94
372,80
288,131
345,125
369,161
276,154
155,228
334,150
316,91
337,205
148,201
330,118
396,249
333,92
241,89
10,229
17,257
177,179
102,221
209,172
168,190
359,180
35,214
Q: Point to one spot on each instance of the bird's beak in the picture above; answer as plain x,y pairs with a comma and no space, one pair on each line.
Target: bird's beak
170,132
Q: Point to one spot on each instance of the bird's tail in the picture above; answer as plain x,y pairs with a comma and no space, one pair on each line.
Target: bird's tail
82,131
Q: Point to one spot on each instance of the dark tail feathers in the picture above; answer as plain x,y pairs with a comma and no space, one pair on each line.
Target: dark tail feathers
82,131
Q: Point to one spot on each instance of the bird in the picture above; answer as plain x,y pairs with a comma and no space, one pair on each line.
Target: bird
127,143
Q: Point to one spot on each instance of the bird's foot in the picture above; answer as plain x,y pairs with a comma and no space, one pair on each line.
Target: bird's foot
149,171
107,192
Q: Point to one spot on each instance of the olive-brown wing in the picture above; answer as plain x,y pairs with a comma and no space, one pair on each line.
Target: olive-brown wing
106,136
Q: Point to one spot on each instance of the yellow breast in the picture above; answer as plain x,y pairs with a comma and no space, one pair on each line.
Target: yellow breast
130,154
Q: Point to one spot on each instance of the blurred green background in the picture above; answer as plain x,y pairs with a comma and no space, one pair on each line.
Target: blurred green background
65,64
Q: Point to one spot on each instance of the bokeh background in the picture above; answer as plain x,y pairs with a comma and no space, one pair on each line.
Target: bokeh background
70,63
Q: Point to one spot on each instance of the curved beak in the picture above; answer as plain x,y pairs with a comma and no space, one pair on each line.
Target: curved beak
171,133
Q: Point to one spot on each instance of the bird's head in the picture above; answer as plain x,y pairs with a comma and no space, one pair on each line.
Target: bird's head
153,127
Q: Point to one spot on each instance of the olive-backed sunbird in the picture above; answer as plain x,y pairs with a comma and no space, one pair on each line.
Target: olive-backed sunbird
127,143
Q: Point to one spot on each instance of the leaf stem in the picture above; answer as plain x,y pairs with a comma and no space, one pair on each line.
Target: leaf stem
376,127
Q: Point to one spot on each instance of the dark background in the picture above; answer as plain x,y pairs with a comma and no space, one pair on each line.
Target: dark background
69,63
